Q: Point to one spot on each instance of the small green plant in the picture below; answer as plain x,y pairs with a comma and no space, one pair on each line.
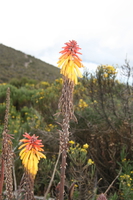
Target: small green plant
82,170
126,177
114,197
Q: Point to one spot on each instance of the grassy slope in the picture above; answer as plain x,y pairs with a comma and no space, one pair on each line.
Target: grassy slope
15,64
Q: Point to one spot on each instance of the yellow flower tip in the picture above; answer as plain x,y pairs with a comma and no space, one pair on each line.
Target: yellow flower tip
71,142
124,160
86,146
90,162
76,185
22,146
70,62
83,150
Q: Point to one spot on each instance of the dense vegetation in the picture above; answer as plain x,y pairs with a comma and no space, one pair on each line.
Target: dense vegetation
100,143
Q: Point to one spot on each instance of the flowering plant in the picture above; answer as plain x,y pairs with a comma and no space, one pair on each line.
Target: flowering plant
30,154
70,61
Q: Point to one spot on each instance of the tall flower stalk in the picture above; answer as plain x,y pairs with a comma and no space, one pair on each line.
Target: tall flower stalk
7,155
69,63
30,156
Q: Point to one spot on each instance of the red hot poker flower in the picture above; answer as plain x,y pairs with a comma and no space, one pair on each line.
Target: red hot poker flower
70,61
30,154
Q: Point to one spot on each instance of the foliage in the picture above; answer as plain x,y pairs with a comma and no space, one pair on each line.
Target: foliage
106,123
103,107
126,177
81,170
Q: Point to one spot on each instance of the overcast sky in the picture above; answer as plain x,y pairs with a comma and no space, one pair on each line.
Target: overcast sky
102,28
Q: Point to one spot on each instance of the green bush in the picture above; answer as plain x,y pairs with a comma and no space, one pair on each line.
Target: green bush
103,108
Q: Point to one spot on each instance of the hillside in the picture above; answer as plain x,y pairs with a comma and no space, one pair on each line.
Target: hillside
15,64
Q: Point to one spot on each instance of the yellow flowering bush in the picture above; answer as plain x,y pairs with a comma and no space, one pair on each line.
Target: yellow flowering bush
126,177
3,84
81,168
78,153
82,105
44,83
50,127
107,70
59,81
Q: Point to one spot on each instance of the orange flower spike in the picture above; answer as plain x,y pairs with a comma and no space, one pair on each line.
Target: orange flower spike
70,61
30,154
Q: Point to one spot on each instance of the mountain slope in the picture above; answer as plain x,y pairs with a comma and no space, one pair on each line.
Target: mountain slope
15,64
